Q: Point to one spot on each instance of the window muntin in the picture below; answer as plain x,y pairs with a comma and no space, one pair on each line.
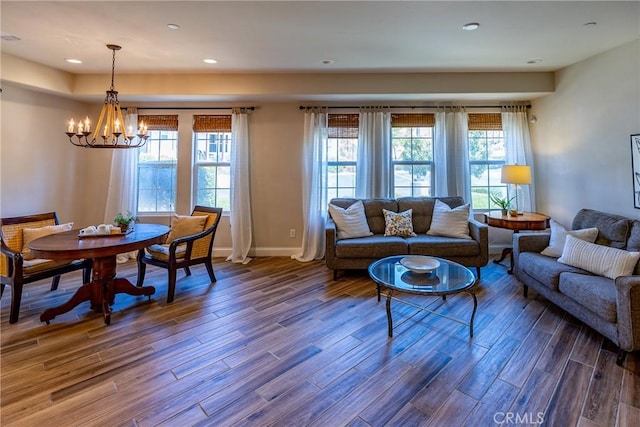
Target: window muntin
486,158
212,169
157,169
342,155
412,154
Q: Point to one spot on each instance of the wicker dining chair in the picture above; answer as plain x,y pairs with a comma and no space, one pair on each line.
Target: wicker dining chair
184,251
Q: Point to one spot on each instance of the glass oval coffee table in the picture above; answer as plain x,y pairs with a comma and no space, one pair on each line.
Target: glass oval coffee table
447,279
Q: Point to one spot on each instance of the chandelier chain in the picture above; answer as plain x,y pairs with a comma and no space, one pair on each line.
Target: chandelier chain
113,68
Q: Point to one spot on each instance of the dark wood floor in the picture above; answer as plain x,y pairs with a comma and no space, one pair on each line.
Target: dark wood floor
277,342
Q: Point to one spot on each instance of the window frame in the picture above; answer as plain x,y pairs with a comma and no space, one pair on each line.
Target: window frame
201,164
486,122
345,128
158,164
413,121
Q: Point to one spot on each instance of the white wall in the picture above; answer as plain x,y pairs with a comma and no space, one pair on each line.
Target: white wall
581,141
39,170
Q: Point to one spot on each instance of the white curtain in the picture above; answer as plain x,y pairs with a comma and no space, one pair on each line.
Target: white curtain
240,191
517,143
451,154
314,188
374,177
121,194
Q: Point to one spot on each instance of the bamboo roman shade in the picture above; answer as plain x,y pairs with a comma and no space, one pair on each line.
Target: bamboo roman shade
343,125
485,121
413,120
159,122
212,123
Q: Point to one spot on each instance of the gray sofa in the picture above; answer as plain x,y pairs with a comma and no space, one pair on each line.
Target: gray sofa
358,253
611,307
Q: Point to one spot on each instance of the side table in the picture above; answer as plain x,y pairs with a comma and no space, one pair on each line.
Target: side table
527,221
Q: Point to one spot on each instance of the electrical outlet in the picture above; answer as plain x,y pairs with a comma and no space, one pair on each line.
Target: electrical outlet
292,232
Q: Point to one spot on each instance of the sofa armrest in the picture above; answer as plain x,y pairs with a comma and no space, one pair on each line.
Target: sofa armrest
480,233
628,306
530,242
331,237
12,261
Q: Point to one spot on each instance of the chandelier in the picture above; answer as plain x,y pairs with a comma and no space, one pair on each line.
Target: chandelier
110,130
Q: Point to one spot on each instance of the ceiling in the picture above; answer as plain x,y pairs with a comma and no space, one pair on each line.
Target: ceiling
297,36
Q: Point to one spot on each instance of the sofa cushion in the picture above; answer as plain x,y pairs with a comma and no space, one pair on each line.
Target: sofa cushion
161,252
185,225
422,208
443,247
544,269
450,222
598,259
376,246
31,234
37,265
350,222
373,210
596,294
398,224
613,230
559,235
633,244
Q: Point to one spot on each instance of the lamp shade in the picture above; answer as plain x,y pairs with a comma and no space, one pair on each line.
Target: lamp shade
516,174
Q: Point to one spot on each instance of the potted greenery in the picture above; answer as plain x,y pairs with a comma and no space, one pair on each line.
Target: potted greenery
124,221
501,202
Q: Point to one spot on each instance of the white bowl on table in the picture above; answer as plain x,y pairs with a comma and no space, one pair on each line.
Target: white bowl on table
420,264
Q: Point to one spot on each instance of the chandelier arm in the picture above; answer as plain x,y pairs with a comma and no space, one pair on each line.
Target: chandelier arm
112,120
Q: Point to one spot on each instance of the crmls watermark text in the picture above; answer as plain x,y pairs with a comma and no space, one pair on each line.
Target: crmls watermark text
518,418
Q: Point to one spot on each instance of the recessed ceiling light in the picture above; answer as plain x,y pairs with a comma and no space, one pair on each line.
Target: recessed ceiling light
471,26
534,61
73,61
328,61
9,37
210,61
173,26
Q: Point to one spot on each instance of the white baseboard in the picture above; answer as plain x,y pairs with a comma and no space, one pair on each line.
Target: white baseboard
258,252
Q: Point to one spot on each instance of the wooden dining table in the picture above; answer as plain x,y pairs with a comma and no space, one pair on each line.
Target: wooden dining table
102,250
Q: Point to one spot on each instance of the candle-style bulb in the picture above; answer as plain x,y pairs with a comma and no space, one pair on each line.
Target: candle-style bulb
87,124
71,126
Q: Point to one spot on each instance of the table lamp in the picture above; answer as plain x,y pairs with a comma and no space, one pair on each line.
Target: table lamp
516,175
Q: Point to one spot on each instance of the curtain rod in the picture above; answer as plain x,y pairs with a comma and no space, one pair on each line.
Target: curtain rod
411,107
195,108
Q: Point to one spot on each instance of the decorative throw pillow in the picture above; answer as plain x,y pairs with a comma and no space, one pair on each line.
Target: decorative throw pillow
598,259
31,234
450,222
559,235
398,224
350,222
185,225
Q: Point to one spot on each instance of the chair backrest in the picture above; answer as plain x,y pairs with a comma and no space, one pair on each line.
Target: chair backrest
11,232
203,246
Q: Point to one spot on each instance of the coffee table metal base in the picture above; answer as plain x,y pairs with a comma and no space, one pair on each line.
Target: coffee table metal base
391,297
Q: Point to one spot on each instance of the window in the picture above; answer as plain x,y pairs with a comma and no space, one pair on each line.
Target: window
157,161
412,154
212,160
486,157
342,153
